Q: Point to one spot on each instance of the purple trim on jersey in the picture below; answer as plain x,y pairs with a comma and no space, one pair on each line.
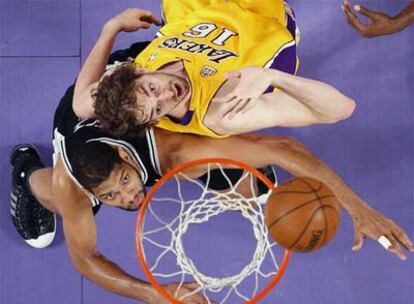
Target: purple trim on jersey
285,62
185,120
291,25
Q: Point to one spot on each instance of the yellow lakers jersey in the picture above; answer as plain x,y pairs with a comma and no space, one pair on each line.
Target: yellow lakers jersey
211,38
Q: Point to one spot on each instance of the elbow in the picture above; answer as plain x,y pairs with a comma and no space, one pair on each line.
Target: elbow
82,111
343,112
349,108
83,263
80,264
76,109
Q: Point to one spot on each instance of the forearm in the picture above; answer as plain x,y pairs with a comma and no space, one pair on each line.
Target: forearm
110,276
405,17
93,69
257,151
95,64
323,100
299,161
295,158
292,156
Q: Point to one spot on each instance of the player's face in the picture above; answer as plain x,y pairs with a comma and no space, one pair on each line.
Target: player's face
123,188
158,94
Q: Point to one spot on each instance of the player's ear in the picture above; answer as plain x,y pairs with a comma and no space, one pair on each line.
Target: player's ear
124,155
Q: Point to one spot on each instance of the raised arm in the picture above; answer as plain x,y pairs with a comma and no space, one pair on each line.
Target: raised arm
297,102
380,23
80,234
94,67
293,157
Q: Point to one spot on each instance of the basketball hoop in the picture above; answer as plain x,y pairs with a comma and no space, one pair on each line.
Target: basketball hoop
158,230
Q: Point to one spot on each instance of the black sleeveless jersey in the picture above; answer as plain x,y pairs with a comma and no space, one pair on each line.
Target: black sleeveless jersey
70,134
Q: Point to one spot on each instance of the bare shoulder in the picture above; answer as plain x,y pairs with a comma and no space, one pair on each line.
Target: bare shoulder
71,197
173,148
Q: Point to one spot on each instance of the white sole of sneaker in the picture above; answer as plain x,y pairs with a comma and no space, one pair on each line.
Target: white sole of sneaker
44,240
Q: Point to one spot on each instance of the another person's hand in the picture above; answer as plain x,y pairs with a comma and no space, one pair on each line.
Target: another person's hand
380,23
186,288
372,224
133,19
253,81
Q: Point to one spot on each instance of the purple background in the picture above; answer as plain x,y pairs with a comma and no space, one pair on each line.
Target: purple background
42,44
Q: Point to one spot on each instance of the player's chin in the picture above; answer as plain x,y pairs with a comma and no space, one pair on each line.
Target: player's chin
131,208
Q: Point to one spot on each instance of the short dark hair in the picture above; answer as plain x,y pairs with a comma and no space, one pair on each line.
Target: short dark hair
93,162
115,103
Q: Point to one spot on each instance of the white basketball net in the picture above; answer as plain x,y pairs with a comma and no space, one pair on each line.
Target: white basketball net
210,203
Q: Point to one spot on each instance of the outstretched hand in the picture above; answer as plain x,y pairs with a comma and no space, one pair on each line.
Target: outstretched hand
133,19
253,81
380,23
372,224
190,288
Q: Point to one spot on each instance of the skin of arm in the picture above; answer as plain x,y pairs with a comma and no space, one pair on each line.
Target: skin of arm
293,157
406,16
80,234
380,23
297,102
92,71
322,100
94,67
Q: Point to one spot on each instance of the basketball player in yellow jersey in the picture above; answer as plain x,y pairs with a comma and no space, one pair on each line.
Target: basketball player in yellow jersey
180,79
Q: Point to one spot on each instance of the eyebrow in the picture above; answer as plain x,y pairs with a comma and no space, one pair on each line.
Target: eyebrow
105,194
120,181
122,176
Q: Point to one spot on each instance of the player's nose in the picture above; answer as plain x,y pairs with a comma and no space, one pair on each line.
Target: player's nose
167,94
128,195
136,202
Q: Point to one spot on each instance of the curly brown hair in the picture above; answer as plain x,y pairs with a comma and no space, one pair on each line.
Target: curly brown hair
116,105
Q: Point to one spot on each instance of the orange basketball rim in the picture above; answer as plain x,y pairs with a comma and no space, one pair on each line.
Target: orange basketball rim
141,218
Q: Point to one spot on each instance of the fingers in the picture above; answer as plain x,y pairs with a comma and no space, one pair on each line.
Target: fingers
225,99
232,105
391,244
400,236
353,19
242,104
366,12
191,285
143,24
236,105
396,237
151,18
248,106
359,241
196,298
233,74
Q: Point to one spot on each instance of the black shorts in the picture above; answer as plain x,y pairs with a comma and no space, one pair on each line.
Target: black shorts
219,182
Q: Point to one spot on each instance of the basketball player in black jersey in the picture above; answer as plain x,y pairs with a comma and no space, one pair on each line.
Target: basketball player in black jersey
79,180
117,176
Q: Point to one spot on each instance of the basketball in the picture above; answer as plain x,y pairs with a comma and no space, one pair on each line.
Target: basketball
302,214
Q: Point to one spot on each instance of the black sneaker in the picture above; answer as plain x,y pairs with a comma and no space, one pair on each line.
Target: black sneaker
33,222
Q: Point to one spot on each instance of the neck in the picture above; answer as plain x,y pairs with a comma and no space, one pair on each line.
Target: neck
179,111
